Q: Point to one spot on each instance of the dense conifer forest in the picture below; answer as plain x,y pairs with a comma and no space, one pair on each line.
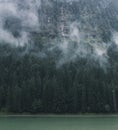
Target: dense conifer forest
67,63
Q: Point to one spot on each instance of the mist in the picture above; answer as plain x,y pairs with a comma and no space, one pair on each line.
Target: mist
19,18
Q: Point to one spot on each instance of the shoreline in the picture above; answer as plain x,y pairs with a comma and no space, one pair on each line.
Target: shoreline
59,116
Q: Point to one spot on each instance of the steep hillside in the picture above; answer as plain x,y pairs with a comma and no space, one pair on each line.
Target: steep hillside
59,56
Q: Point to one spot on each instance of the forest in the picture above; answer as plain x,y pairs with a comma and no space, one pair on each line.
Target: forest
59,57
35,85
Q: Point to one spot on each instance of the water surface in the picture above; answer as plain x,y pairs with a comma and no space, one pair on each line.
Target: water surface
59,123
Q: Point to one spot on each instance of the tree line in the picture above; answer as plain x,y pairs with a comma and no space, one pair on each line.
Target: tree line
35,85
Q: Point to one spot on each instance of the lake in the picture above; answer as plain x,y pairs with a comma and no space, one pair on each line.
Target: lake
59,123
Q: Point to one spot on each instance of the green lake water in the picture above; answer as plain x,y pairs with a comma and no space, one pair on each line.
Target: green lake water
59,123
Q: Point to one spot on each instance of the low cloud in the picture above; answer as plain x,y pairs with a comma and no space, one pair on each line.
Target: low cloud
13,11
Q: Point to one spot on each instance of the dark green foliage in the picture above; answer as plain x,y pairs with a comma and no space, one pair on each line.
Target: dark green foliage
34,85
37,106
31,79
